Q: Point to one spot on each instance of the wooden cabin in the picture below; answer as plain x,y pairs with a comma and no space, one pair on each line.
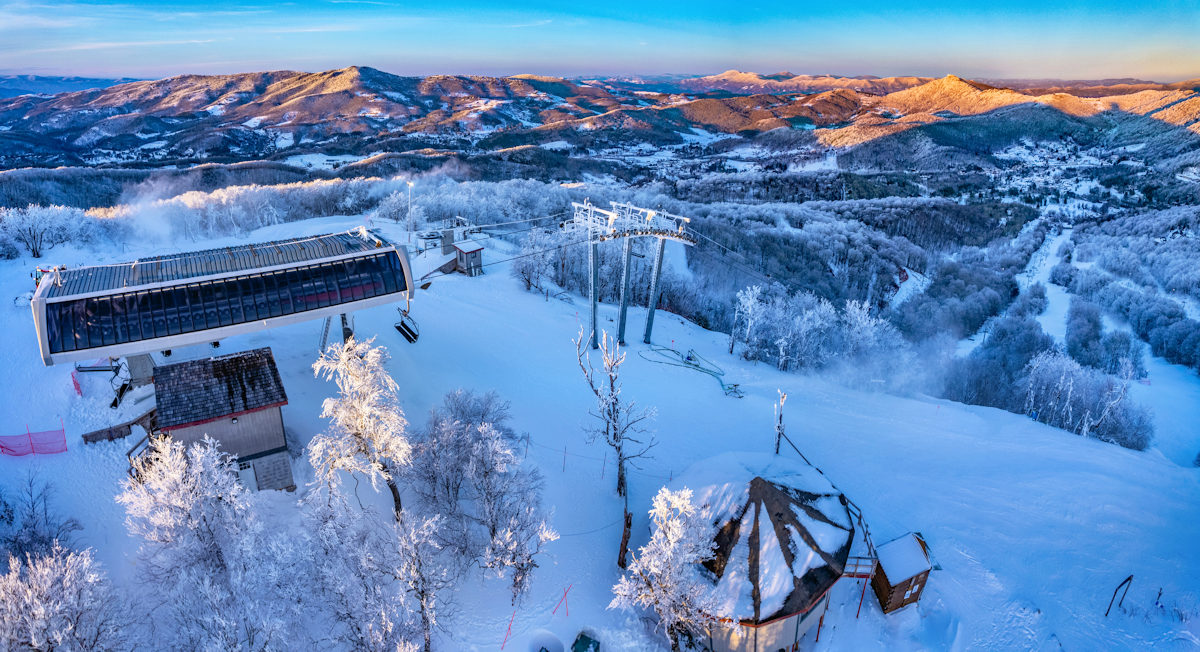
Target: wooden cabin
236,400
902,573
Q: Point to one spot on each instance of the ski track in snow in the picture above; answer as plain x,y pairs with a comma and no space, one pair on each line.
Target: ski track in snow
1033,527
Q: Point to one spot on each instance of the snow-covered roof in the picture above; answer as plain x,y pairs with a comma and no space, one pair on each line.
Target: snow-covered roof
468,247
903,558
224,260
782,532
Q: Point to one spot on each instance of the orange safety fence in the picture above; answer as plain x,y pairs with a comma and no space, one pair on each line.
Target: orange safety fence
46,442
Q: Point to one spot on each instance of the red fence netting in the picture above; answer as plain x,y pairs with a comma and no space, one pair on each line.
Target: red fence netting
46,442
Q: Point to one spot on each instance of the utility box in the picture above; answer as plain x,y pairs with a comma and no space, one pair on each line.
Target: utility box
141,369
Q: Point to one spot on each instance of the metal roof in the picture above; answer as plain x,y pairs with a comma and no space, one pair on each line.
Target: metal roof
210,262
201,390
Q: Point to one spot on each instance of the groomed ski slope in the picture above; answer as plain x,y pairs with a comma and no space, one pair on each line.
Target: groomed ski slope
1033,527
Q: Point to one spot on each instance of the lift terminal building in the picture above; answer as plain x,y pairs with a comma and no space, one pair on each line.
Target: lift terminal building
167,302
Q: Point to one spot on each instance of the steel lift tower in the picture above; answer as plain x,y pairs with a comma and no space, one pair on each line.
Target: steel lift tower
626,221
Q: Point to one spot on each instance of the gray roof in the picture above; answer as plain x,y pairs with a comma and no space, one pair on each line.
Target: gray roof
201,390
224,260
776,510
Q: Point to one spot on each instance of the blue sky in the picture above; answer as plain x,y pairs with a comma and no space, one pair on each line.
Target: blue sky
1001,38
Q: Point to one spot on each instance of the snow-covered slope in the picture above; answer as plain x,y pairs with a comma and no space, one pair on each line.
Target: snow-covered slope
1033,527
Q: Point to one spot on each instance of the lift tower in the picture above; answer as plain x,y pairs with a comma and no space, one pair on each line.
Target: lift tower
626,221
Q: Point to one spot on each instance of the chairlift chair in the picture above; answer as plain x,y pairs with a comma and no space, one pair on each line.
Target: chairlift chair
407,326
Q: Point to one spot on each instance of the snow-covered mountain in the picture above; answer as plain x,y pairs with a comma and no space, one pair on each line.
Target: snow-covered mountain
261,114
14,85
737,81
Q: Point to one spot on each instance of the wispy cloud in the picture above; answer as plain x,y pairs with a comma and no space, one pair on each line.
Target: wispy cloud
113,45
19,20
312,29
536,23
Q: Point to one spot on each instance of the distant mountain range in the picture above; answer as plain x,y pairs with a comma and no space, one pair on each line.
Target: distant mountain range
265,114
14,85
742,83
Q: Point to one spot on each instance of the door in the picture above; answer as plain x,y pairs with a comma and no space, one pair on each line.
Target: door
246,475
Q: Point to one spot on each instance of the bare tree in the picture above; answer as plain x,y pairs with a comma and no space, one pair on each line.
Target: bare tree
621,423
367,430
32,525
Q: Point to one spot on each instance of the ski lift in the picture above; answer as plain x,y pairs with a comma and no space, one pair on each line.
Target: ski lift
407,326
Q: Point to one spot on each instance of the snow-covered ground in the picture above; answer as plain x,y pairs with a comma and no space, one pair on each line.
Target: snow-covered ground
1054,318
1033,527
323,161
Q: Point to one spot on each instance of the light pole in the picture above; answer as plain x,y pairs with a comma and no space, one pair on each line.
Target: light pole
410,215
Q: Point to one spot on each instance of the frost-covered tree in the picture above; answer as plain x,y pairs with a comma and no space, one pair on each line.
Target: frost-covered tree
188,506
748,310
466,469
620,422
221,582
416,563
367,607
1084,330
61,600
367,429
534,266
665,574
807,327
1062,393
393,207
38,228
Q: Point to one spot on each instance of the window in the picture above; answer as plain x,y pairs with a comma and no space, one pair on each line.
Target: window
260,297
246,294
285,288
120,330
78,324
195,320
133,319
913,589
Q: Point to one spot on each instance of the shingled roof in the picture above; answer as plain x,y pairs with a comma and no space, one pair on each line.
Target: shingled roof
202,390
782,533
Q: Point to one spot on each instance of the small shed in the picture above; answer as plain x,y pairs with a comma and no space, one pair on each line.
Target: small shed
468,258
903,570
783,534
236,400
